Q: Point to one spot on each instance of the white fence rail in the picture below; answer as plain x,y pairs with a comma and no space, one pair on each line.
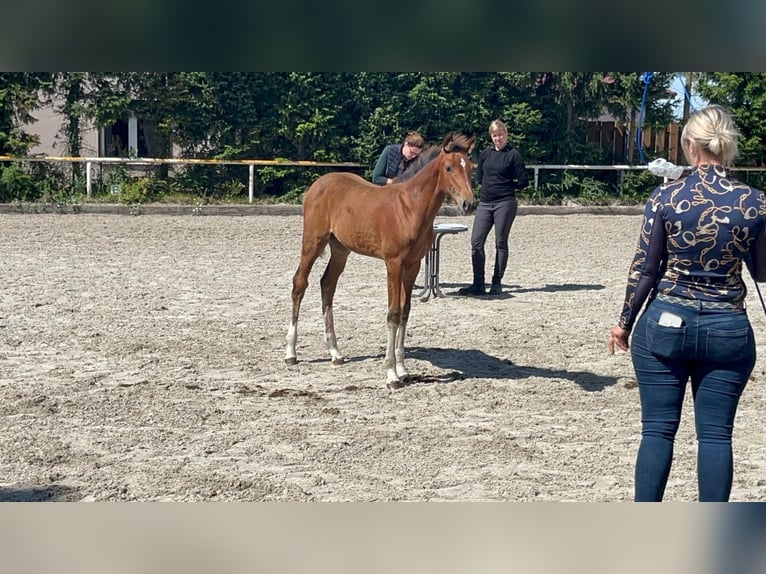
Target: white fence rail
536,168
251,164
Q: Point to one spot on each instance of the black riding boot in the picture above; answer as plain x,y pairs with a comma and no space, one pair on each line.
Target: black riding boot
477,288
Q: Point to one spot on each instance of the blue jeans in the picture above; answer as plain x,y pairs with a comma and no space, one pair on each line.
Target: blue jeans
715,349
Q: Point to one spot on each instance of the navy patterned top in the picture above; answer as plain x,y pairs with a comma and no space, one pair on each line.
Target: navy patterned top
696,233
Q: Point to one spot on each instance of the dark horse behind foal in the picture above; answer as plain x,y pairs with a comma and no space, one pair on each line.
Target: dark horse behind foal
393,223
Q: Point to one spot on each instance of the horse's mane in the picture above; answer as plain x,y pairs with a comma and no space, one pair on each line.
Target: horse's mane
424,158
453,142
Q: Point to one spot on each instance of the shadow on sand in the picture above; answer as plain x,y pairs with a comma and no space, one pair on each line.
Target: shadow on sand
510,290
52,493
474,364
463,364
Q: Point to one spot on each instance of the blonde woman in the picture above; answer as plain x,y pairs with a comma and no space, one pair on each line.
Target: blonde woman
698,235
500,171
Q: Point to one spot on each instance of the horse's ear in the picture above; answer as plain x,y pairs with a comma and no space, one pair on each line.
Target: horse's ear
458,142
449,142
471,144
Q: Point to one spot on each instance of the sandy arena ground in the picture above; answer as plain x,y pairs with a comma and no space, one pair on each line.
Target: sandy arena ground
141,358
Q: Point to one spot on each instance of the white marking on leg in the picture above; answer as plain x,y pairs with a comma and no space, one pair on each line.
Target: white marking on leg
329,337
291,338
400,335
390,361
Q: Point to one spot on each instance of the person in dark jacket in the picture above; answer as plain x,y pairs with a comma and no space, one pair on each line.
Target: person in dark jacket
395,158
698,235
500,171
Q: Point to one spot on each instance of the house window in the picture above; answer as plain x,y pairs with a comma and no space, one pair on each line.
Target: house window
124,139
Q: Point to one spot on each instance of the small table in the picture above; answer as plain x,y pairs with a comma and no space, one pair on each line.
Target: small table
431,268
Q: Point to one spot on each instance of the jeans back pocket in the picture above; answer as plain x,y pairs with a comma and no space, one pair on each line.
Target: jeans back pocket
727,345
663,341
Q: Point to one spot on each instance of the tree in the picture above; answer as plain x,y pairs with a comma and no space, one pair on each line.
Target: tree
570,100
626,101
19,97
350,116
744,93
71,88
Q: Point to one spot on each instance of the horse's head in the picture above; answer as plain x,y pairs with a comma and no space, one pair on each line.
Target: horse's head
455,171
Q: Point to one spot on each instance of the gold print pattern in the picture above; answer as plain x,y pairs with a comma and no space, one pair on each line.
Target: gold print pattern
710,221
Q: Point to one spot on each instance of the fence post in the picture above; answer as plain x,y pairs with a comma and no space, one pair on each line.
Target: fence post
537,174
250,182
88,191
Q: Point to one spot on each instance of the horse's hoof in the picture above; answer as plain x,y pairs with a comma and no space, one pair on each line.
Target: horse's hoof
337,362
291,360
394,385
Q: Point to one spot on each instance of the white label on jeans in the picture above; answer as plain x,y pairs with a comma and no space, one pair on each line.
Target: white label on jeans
670,320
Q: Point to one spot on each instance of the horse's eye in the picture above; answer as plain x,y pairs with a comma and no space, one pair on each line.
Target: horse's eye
449,168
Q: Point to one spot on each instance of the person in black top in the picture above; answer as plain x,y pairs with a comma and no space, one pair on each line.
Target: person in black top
697,236
500,171
395,158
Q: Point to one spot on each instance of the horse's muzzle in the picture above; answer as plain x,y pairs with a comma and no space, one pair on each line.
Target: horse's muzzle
468,207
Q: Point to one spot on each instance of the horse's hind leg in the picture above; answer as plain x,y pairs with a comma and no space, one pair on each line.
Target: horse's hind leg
408,282
328,283
310,251
393,323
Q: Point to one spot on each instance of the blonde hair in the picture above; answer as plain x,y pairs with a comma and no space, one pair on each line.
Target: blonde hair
712,130
497,126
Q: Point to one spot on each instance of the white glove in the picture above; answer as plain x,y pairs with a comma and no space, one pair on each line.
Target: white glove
664,168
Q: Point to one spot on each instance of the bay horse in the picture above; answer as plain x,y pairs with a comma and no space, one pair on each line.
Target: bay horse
393,223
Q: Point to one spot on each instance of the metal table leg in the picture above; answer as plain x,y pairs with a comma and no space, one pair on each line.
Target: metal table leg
435,250
431,263
425,291
431,259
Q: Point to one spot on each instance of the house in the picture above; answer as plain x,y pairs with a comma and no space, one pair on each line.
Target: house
123,138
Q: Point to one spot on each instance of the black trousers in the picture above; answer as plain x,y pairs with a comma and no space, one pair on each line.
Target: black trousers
501,215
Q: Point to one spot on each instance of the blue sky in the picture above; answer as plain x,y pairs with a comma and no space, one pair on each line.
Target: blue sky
678,86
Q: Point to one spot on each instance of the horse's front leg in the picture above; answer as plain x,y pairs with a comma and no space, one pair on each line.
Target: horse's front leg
401,332
389,363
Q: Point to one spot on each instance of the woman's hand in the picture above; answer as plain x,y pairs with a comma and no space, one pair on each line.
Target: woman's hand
618,336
